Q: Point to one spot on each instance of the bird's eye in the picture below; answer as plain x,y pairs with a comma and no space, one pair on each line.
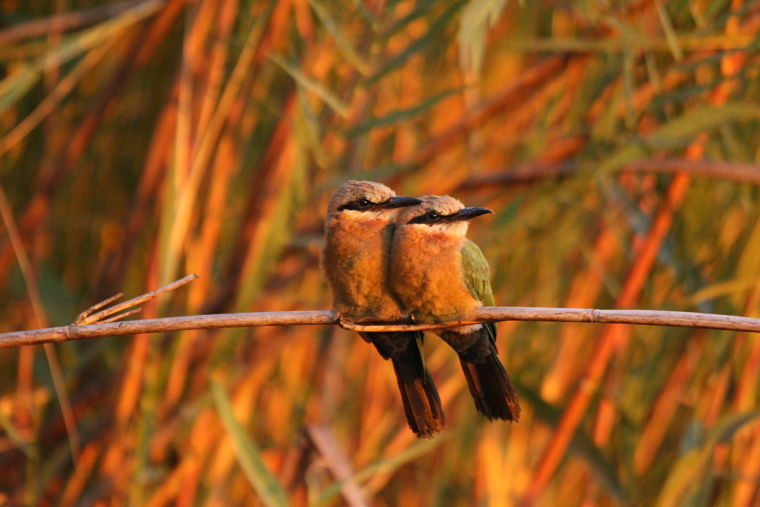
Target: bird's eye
364,202
433,215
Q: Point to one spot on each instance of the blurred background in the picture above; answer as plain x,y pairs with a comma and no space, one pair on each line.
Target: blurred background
142,140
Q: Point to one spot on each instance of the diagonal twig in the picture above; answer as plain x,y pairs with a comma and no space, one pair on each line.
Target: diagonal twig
35,300
338,464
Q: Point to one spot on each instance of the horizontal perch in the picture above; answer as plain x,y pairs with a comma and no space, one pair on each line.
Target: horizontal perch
484,314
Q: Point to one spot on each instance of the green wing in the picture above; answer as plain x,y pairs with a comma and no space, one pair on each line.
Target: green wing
477,278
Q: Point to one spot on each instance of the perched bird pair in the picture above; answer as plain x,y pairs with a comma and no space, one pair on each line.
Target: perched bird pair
389,258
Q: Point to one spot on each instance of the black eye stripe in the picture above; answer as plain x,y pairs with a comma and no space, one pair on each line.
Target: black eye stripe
361,204
432,217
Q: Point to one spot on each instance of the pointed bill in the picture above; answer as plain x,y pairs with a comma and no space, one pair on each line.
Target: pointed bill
470,213
401,201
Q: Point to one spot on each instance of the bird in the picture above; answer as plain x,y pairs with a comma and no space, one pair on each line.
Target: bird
355,257
439,275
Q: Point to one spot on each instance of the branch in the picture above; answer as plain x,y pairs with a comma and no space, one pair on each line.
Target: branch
528,173
484,314
74,332
93,323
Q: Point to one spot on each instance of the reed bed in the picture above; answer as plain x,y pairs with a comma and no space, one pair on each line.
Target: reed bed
142,140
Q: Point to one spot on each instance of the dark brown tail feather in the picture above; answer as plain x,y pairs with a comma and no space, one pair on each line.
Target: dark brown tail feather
422,405
495,396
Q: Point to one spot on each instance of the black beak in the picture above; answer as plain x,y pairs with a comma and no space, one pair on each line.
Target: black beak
470,213
400,201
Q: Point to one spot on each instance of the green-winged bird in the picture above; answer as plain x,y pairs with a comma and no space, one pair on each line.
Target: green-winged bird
358,234
439,275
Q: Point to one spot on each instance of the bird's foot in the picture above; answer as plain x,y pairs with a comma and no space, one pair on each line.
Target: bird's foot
344,321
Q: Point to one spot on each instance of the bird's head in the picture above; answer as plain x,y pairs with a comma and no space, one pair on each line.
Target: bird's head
440,213
367,200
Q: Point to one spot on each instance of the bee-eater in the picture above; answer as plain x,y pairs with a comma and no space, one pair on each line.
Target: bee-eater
439,275
358,233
